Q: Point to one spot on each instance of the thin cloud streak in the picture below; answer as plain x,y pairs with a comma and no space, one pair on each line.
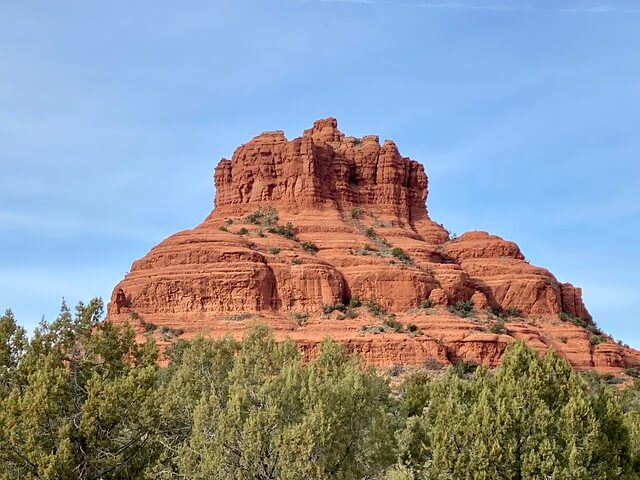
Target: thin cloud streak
430,5
469,6
600,9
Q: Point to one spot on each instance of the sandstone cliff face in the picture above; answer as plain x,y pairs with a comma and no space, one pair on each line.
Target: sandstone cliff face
321,168
323,219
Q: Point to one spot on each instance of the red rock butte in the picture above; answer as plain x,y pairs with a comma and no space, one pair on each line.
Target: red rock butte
302,228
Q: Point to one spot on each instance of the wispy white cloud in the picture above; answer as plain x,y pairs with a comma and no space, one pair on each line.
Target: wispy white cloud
470,6
597,9
431,5
600,9
344,1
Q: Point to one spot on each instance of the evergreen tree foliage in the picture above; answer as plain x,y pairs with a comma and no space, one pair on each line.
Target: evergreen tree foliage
631,406
76,407
530,419
86,399
13,342
280,419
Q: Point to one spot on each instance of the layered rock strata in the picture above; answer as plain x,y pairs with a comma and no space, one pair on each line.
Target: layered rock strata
301,225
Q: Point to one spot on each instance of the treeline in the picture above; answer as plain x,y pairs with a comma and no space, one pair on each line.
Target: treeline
82,400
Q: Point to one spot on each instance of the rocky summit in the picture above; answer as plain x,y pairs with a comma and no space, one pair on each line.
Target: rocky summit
329,235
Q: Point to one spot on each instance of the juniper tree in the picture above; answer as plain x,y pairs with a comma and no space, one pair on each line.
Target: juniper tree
13,342
530,419
282,419
80,408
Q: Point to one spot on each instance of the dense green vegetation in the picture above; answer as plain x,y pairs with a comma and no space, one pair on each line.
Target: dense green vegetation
82,400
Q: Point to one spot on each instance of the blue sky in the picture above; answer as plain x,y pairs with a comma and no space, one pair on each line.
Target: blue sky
114,114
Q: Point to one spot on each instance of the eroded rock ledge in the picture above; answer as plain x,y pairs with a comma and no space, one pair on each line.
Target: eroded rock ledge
322,219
